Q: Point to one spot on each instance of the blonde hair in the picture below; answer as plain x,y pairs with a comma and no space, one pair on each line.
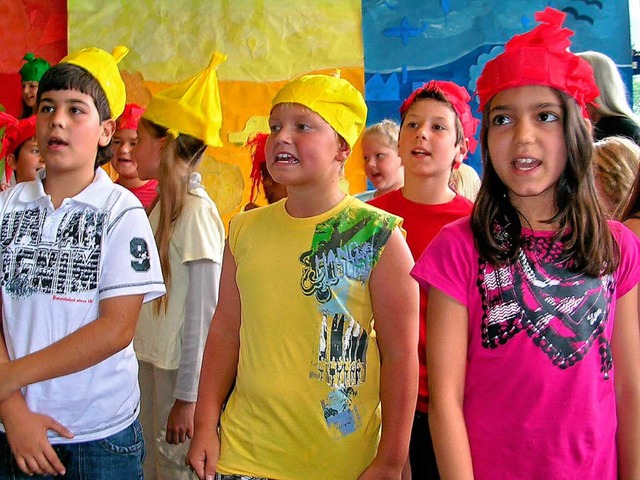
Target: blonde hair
387,129
615,163
172,192
465,181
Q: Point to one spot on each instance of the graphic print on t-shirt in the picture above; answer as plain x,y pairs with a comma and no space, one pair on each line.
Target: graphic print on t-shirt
562,312
344,251
67,264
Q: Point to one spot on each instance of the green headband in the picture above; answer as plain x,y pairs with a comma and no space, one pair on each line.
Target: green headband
34,69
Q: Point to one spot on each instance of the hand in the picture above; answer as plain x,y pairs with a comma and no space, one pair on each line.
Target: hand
180,422
4,186
203,454
9,383
27,437
378,470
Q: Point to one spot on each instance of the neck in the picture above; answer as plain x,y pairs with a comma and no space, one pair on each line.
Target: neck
130,183
430,191
535,211
66,185
393,187
305,202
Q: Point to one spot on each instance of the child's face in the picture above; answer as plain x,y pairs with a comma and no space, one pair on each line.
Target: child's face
147,154
527,145
382,163
29,93
28,161
427,141
122,161
69,131
302,148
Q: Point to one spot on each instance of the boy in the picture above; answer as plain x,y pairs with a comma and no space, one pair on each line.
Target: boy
20,150
308,325
78,260
436,131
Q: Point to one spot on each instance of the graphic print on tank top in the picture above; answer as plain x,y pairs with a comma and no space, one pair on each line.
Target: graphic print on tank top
336,271
65,265
564,313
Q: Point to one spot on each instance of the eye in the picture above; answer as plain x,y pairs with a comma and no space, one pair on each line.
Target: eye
500,120
380,156
75,110
275,128
548,117
303,127
46,108
438,126
412,124
35,151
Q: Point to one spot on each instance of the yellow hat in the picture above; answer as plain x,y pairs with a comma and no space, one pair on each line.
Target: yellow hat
104,68
191,107
338,102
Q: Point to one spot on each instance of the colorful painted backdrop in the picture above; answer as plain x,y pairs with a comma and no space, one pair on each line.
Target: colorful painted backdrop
385,47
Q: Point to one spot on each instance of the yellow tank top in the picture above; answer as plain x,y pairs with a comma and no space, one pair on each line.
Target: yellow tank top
306,402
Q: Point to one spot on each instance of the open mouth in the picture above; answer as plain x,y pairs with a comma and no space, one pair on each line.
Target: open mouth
286,158
525,164
56,142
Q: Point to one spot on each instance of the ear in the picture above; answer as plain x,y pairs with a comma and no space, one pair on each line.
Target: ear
463,148
12,161
108,129
344,150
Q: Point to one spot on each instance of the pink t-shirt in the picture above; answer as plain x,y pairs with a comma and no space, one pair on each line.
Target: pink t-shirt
147,193
539,393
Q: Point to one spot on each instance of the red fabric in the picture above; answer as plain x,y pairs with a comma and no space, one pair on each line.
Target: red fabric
146,193
130,117
540,57
459,98
422,223
17,132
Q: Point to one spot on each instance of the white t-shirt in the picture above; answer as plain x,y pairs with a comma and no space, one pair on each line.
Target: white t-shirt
57,265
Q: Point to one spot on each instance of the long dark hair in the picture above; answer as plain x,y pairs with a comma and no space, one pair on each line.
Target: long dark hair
582,226
66,76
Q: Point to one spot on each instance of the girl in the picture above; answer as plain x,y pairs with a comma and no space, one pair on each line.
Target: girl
382,163
31,73
303,280
123,142
173,135
532,301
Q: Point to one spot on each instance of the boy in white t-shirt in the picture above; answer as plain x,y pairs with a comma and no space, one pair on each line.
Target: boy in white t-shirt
78,259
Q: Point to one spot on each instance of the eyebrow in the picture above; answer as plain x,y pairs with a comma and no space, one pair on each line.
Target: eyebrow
537,106
69,101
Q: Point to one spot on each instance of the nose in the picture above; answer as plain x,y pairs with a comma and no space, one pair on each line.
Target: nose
281,136
421,132
56,118
523,131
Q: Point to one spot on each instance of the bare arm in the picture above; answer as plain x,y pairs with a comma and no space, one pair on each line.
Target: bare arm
112,331
219,366
625,345
447,324
395,310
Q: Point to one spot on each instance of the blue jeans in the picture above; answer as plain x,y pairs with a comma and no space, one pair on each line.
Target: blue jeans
117,457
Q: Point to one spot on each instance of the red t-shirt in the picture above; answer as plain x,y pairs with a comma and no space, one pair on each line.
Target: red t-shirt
422,222
147,193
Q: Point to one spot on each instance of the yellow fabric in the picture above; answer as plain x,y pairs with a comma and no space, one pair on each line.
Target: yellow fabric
104,68
192,106
306,400
333,98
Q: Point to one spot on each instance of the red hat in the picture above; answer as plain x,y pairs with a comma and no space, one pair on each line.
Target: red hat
130,117
256,144
459,98
16,133
540,57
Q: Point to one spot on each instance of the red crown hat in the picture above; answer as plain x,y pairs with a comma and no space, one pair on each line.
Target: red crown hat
256,144
16,133
130,117
540,57
459,98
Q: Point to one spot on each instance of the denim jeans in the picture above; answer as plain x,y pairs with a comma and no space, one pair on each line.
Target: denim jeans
117,457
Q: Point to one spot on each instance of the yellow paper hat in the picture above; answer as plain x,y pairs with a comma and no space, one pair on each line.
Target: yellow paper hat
193,106
338,102
104,68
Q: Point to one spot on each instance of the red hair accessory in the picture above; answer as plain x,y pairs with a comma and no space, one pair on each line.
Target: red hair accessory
540,57
256,145
16,133
130,117
458,97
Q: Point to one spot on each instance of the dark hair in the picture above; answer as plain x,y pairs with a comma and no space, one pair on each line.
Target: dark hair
66,76
436,95
582,226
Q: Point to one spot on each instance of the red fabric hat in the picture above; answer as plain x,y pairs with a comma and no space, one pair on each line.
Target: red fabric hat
16,133
540,57
256,144
459,98
130,117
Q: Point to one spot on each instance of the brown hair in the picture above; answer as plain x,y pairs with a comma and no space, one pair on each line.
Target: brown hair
615,163
172,192
582,226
